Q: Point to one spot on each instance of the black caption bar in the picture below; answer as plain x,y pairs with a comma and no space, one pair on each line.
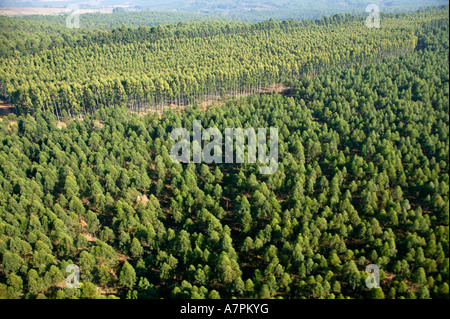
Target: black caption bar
249,308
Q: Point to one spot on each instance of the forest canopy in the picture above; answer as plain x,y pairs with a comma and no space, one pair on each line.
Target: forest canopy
363,175
141,68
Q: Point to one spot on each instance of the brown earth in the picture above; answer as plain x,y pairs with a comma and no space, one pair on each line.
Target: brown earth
208,102
61,125
6,108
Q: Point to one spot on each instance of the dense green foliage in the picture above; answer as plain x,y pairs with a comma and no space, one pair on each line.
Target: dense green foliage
153,67
32,34
131,19
362,178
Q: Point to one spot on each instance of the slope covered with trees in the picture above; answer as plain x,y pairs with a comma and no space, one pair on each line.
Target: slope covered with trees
362,179
151,68
116,19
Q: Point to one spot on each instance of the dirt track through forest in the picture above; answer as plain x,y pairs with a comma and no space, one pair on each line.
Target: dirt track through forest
6,108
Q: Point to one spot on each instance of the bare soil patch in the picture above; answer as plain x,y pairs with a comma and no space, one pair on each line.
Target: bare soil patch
6,108
98,124
142,199
61,125
11,124
89,237
214,100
